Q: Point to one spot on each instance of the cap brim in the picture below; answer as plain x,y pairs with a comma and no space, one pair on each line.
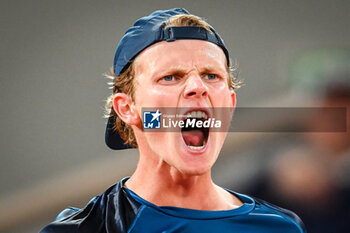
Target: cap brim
112,137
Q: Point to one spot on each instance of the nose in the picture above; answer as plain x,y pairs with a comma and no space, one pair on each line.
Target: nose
195,87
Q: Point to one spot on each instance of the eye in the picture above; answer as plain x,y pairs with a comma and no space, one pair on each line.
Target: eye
211,76
168,78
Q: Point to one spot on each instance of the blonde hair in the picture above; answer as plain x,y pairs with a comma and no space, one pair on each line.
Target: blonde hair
125,83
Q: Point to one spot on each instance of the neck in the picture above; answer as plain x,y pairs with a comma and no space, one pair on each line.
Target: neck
163,185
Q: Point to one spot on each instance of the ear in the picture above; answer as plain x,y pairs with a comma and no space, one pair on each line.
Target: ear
233,98
125,108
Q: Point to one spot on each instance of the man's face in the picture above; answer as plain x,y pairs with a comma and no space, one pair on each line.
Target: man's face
182,74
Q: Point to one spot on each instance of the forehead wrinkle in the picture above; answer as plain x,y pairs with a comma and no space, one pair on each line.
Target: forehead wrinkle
165,64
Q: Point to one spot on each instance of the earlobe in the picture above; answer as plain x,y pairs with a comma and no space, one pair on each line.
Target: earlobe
233,98
123,106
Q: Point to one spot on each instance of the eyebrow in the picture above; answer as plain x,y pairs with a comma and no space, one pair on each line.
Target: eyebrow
180,70
211,69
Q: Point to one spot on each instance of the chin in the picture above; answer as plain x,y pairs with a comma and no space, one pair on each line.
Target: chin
196,169
194,172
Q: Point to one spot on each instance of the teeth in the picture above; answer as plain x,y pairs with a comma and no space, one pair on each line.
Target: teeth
196,147
197,114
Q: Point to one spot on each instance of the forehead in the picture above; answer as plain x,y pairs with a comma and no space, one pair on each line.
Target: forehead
180,53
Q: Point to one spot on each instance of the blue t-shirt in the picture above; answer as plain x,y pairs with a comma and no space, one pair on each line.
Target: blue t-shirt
119,209
251,217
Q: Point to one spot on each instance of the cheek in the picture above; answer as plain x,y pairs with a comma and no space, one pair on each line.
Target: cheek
218,139
156,142
160,97
221,95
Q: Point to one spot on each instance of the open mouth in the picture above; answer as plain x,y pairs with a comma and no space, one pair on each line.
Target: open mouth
195,137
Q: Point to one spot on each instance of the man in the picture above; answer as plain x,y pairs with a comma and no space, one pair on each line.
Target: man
171,59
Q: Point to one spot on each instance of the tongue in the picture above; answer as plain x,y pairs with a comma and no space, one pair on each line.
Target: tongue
193,137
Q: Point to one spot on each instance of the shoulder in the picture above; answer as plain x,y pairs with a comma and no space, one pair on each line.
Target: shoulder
72,219
288,215
97,215
269,217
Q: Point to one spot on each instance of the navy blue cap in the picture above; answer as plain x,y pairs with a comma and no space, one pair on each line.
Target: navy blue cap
146,31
